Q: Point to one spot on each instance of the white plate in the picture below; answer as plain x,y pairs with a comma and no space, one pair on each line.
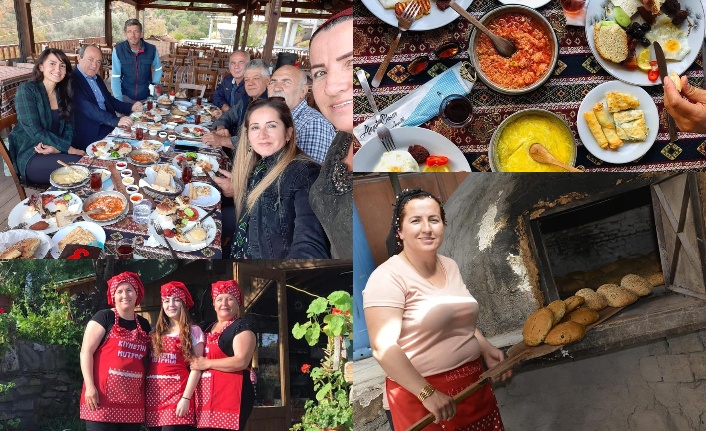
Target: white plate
146,117
629,151
196,169
12,237
104,156
183,104
95,229
17,215
436,18
159,149
159,111
209,224
180,130
204,201
534,4
369,155
596,11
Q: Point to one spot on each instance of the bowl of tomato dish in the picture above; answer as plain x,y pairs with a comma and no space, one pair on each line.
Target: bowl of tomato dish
109,206
533,62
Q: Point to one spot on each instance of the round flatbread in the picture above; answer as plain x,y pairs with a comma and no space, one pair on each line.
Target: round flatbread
616,296
637,285
565,333
558,308
584,316
594,301
573,302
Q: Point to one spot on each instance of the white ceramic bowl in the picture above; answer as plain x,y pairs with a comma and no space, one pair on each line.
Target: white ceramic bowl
128,181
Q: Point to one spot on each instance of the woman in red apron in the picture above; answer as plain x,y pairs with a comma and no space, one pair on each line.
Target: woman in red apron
224,395
113,360
175,342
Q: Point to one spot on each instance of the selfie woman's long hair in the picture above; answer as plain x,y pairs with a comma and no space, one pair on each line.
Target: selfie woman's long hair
163,327
63,88
246,159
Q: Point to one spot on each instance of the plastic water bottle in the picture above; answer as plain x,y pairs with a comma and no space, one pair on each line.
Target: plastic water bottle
141,211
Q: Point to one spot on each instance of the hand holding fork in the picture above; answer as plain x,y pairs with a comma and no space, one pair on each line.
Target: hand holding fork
403,23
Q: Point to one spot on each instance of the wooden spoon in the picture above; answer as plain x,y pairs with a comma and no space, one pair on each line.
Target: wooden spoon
502,45
541,155
61,162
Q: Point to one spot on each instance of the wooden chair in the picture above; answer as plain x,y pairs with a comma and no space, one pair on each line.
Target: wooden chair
167,80
9,122
203,62
182,51
195,87
207,78
178,60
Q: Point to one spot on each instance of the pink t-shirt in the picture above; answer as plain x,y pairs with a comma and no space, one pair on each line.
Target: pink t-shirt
438,324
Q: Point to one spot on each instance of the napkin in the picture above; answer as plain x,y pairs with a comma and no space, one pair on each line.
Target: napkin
152,242
420,105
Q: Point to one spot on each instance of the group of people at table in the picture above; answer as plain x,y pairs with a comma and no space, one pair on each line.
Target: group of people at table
171,377
291,182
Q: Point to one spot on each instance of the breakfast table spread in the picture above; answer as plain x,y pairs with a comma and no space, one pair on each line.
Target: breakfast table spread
118,158
576,74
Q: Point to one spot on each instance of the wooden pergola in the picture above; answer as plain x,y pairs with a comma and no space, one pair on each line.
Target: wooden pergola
272,10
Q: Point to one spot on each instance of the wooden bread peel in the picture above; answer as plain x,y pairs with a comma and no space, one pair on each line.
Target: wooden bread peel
515,354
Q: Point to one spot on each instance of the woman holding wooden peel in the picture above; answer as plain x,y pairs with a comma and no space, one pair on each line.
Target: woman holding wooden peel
421,320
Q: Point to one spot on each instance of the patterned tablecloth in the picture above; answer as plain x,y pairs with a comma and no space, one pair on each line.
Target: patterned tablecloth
576,73
128,228
10,79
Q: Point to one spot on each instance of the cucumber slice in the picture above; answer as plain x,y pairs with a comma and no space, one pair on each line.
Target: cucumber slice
621,17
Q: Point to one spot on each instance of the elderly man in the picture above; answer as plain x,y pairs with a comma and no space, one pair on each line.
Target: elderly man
255,78
314,132
94,107
232,90
133,60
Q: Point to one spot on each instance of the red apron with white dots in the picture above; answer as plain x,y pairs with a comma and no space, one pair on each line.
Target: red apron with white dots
166,381
119,371
218,393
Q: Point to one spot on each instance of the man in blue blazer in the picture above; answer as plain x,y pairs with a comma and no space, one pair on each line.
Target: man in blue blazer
93,105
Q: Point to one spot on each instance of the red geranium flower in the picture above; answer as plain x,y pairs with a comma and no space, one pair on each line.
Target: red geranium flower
306,368
2,310
335,310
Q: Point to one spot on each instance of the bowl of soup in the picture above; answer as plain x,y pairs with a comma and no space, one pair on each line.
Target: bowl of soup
533,62
509,146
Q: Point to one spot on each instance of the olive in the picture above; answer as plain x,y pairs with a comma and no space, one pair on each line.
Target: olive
634,25
638,34
645,42
646,26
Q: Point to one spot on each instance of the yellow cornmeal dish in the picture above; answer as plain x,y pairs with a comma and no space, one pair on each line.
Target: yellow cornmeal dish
517,137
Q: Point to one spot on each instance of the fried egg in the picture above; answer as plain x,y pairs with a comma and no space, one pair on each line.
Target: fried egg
672,38
397,161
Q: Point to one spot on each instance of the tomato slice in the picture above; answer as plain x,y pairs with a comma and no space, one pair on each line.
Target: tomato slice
437,160
169,233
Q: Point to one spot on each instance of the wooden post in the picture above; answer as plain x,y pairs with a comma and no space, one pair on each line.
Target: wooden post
238,29
272,12
108,26
283,345
24,28
248,20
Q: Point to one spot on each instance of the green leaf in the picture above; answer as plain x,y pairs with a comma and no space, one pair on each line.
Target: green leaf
336,325
317,306
341,300
323,392
298,331
312,334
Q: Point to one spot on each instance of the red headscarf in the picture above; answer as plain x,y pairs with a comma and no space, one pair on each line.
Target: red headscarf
228,286
125,277
177,289
346,12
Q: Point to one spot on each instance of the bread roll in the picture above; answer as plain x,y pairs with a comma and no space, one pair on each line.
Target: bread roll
637,285
537,326
565,333
573,302
616,296
558,309
594,301
584,316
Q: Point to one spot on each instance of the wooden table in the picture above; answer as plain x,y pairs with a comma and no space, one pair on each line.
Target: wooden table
10,79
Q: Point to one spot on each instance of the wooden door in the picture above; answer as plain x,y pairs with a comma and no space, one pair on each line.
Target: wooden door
267,419
679,219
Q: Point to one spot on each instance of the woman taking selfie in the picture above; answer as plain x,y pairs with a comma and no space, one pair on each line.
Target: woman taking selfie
175,342
422,324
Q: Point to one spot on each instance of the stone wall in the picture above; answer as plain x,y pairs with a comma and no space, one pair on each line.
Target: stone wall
45,386
660,386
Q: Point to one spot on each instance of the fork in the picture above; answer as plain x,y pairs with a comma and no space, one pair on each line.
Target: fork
404,21
160,231
382,130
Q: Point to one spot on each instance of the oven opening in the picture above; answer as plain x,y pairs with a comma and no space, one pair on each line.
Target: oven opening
596,243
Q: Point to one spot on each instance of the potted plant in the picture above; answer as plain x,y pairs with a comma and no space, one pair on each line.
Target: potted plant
9,288
332,409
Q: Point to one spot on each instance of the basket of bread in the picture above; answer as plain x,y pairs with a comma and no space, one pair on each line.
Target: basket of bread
162,181
23,244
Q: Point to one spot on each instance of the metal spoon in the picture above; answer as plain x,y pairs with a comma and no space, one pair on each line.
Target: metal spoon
502,45
541,155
